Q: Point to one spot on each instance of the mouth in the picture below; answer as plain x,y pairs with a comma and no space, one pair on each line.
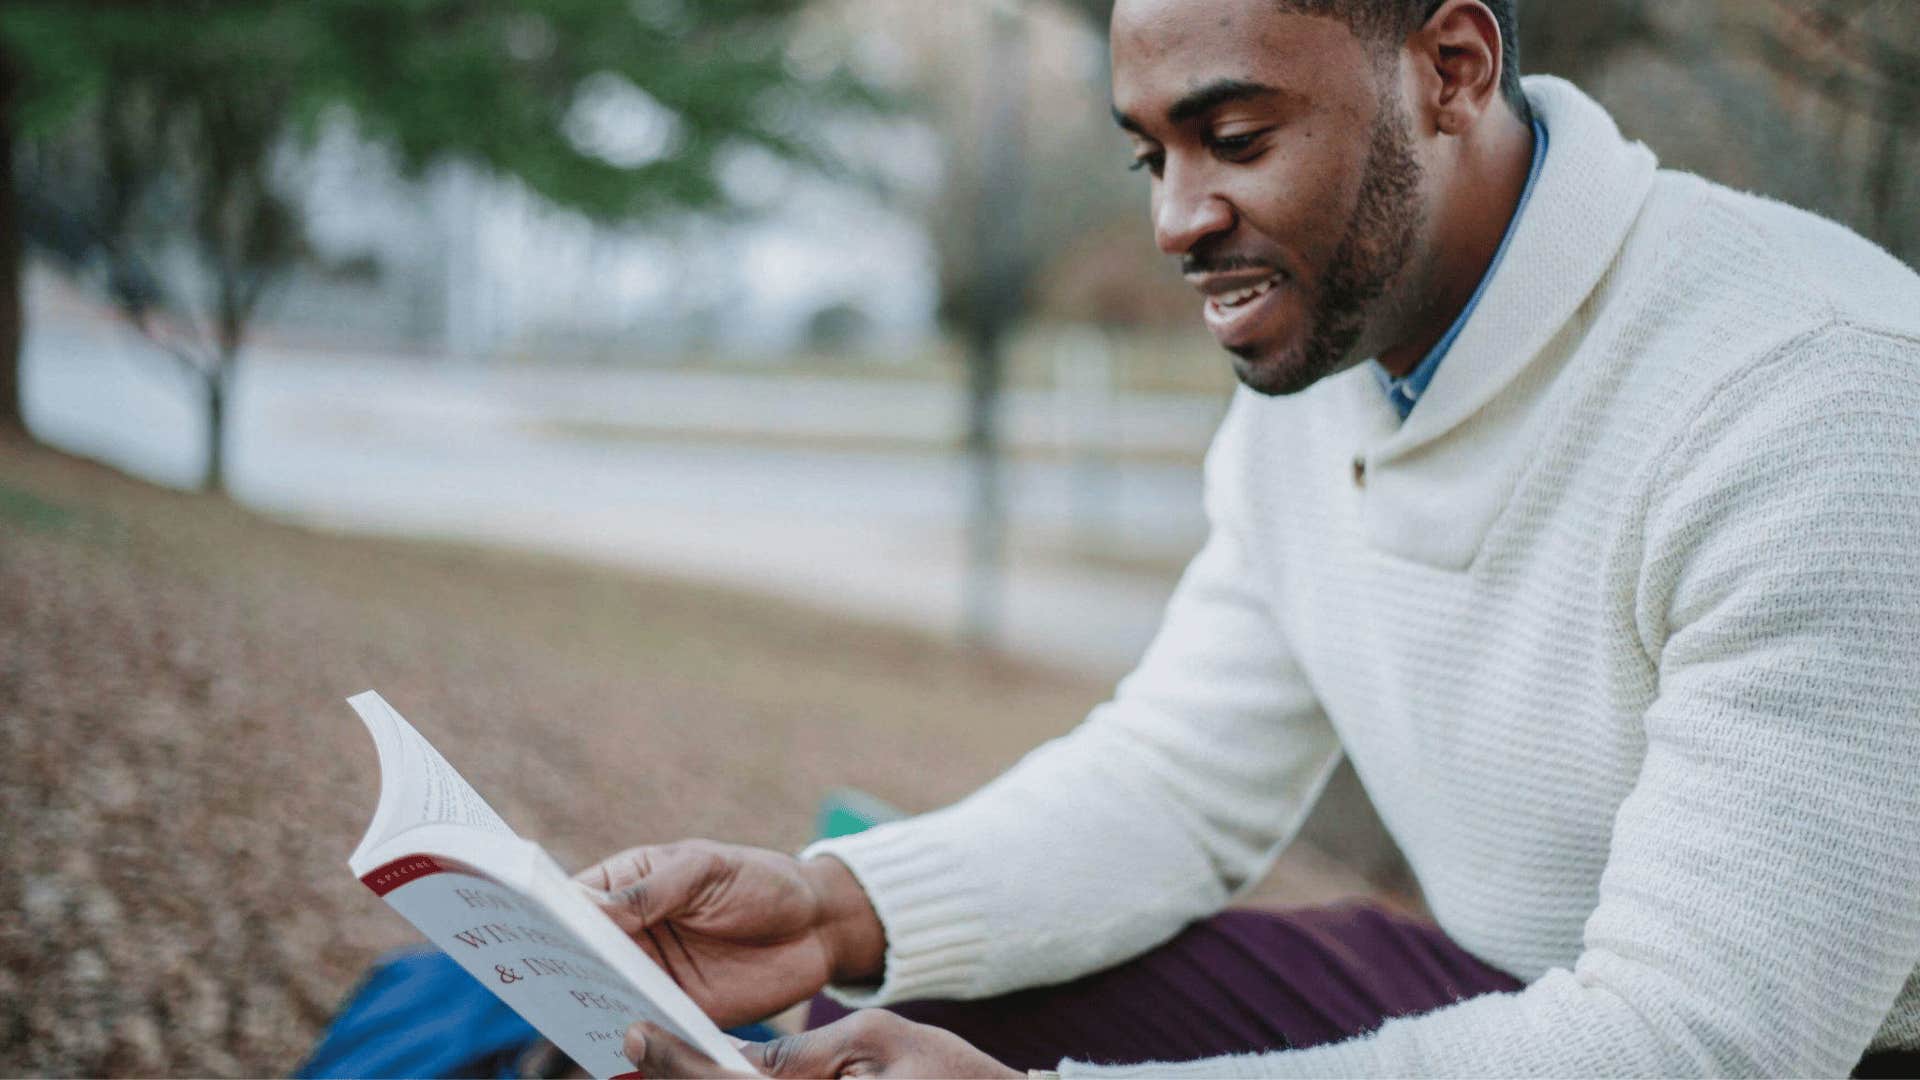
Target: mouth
1238,298
1237,310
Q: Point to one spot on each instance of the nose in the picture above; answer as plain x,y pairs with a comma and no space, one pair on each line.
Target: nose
1186,211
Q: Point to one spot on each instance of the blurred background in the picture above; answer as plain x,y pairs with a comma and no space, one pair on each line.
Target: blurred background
677,409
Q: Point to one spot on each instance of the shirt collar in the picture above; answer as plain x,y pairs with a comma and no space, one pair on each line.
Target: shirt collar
1404,393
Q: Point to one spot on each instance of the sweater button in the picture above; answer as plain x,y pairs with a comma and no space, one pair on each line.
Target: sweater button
1360,472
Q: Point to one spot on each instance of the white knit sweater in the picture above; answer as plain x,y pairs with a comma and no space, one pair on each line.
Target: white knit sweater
1621,630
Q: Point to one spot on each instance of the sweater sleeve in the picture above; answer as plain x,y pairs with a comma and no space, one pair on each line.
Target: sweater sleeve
1103,843
1760,906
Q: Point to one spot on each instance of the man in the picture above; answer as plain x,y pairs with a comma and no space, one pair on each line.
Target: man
1605,573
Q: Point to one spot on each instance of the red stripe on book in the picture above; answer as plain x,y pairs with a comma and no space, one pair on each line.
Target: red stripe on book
385,879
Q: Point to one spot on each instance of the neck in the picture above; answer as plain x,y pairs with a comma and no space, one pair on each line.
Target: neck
1489,178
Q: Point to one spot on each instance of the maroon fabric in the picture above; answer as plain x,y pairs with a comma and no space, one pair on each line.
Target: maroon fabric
1242,981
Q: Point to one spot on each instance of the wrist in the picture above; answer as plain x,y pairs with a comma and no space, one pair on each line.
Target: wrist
856,942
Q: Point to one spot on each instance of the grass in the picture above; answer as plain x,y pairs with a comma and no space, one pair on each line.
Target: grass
23,509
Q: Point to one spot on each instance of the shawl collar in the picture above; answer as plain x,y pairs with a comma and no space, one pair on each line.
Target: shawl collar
1438,481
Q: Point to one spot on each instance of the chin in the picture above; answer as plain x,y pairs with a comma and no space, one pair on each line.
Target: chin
1276,372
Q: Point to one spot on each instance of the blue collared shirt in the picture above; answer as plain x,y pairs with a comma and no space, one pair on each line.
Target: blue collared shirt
1403,393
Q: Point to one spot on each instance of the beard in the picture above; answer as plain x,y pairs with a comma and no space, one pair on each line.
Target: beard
1370,256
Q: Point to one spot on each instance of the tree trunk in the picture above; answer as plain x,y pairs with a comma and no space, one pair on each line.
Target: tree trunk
999,288
987,516
215,477
1884,174
11,248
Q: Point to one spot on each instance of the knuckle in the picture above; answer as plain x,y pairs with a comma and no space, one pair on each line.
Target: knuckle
627,867
716,860
781,1056
868,1025
634,899
699,860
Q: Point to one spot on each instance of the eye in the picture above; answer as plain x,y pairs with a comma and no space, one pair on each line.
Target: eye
1237,147
1151,163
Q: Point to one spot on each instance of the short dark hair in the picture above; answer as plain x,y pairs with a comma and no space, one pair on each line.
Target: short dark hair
1393,20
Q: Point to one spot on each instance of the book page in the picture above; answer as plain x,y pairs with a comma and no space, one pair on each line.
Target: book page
442,795
417,785
526,954
507,913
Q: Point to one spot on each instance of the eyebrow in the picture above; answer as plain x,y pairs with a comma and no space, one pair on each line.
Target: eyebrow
1202,100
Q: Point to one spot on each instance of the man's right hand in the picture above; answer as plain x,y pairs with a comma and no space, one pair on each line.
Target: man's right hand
744,931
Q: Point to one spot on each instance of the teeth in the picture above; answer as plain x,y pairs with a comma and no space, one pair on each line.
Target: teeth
1246,295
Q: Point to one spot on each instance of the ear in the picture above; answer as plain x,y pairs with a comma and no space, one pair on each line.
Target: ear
1458,55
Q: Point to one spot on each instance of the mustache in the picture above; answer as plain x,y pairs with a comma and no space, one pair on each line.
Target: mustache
1203,261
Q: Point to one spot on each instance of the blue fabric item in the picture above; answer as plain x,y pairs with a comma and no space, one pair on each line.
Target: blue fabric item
419,1014
1404,393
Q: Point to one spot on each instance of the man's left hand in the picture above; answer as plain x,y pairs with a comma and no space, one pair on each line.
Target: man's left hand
872,1042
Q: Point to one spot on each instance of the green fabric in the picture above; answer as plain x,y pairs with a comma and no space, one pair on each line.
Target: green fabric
845,811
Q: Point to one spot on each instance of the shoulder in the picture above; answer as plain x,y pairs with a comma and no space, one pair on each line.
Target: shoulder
1776,266
1860,283
1724,305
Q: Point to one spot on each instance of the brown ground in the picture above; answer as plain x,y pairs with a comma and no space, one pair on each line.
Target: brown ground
181,781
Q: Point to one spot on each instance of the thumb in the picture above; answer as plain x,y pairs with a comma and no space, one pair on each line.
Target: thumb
659,1054
806,1055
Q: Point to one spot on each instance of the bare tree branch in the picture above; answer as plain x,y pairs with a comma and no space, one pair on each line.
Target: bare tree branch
1838,24
186,360
1873,77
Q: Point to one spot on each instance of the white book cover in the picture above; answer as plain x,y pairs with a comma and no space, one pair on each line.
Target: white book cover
507,913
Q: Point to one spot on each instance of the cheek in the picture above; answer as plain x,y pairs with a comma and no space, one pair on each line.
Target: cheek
1300,196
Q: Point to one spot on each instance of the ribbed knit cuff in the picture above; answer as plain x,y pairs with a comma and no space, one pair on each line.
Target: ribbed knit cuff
931,910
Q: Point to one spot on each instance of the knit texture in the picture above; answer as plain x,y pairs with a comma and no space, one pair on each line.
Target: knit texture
1621,630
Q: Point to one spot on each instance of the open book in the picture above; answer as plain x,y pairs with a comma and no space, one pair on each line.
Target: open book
503,909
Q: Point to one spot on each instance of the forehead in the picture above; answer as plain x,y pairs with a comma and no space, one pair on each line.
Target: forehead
1163,49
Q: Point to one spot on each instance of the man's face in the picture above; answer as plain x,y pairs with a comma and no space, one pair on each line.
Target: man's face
1283,176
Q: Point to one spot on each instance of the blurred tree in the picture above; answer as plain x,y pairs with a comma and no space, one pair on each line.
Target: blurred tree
161,130
1022,119
1096,11
995,287
1816,102
10,303
1860,59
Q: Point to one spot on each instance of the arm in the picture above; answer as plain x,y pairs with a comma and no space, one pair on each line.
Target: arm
1760,908
1104,843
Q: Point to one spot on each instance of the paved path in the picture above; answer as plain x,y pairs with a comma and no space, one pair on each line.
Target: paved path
834,492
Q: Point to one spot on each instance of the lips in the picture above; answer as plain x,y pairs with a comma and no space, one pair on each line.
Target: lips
1237,311
1252,292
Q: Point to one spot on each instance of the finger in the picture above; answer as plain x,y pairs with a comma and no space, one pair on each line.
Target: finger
646,886
611,871
658,1054
593,878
